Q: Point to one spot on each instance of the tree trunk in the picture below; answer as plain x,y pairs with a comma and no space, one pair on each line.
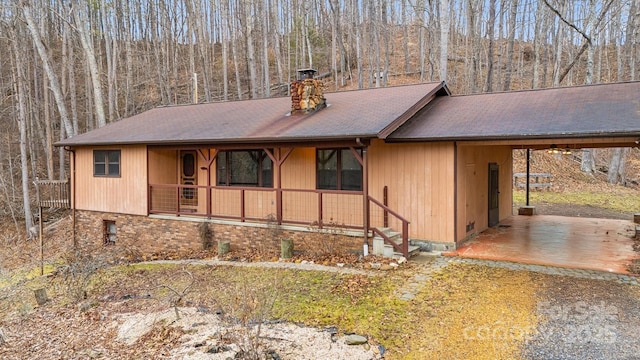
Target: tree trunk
358,48
616,174
82,24
474,43
632,28
224,39
405,38
491,35
590,30
444,38
19,89
510,42
46,63
266,74
538,44
588,164
286,248
247,24
48,130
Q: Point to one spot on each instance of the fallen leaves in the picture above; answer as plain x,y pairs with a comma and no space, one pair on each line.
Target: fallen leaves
355,286
477,312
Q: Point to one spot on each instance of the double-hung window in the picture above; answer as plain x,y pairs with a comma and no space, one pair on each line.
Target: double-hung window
106,163
338,169
244,168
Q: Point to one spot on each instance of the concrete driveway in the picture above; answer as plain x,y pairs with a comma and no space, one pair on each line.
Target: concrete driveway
582,243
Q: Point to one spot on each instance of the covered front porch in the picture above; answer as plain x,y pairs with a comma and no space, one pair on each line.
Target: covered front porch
321,186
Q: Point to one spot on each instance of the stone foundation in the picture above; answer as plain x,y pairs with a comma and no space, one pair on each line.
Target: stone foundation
151,235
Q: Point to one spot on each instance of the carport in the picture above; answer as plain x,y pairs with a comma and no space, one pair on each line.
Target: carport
571,118
572,242
563,241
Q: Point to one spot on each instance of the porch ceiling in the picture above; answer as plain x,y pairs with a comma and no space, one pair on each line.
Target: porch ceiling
571,115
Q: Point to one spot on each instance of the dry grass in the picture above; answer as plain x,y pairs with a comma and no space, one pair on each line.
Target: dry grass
472,312
571,186
460,298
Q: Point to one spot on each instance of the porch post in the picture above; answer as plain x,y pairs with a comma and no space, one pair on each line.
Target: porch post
279,189
365,201
528,173
208,191
277,162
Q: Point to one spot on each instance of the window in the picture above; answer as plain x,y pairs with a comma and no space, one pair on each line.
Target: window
244,168
106,163
109,230
338,169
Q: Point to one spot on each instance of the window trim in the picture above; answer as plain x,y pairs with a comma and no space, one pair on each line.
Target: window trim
106,162
263,156
339,169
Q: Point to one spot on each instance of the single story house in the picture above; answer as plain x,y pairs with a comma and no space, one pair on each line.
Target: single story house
409,161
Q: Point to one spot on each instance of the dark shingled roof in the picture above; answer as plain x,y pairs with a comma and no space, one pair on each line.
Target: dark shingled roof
582,111
349,114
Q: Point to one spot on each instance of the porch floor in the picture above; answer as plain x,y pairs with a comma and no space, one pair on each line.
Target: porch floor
572,242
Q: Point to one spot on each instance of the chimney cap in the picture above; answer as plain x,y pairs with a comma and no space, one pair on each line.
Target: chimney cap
306,73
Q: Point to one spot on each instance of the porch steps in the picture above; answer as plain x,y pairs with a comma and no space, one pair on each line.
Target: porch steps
387,250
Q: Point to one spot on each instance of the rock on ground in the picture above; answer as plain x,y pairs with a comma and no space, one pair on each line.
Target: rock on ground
208,337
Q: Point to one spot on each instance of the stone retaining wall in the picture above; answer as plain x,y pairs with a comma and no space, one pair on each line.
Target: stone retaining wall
151,235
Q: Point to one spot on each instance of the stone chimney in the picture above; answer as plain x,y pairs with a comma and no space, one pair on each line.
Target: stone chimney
306,93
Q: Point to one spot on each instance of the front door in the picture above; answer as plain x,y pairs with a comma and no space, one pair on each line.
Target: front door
494,215
188,176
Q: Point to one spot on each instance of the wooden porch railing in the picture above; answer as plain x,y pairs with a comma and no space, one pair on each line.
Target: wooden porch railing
288,206
402,247
323,208
54,193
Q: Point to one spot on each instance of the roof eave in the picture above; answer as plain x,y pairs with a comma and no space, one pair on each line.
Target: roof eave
242,141
517,137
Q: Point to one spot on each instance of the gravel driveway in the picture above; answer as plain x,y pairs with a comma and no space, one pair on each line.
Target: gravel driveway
586,319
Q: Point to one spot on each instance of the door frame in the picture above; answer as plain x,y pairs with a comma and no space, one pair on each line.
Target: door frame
493,198
188,196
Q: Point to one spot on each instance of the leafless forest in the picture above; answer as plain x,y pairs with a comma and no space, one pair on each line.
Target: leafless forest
68,66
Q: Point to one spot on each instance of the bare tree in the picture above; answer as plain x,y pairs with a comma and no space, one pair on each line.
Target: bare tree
491,35
591,28
510,42
444,38
19,89
25,6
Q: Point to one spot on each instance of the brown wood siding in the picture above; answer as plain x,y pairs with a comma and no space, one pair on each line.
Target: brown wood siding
473,187
126,194
163,166
260,204
163,169
420,181
300,206
299,170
